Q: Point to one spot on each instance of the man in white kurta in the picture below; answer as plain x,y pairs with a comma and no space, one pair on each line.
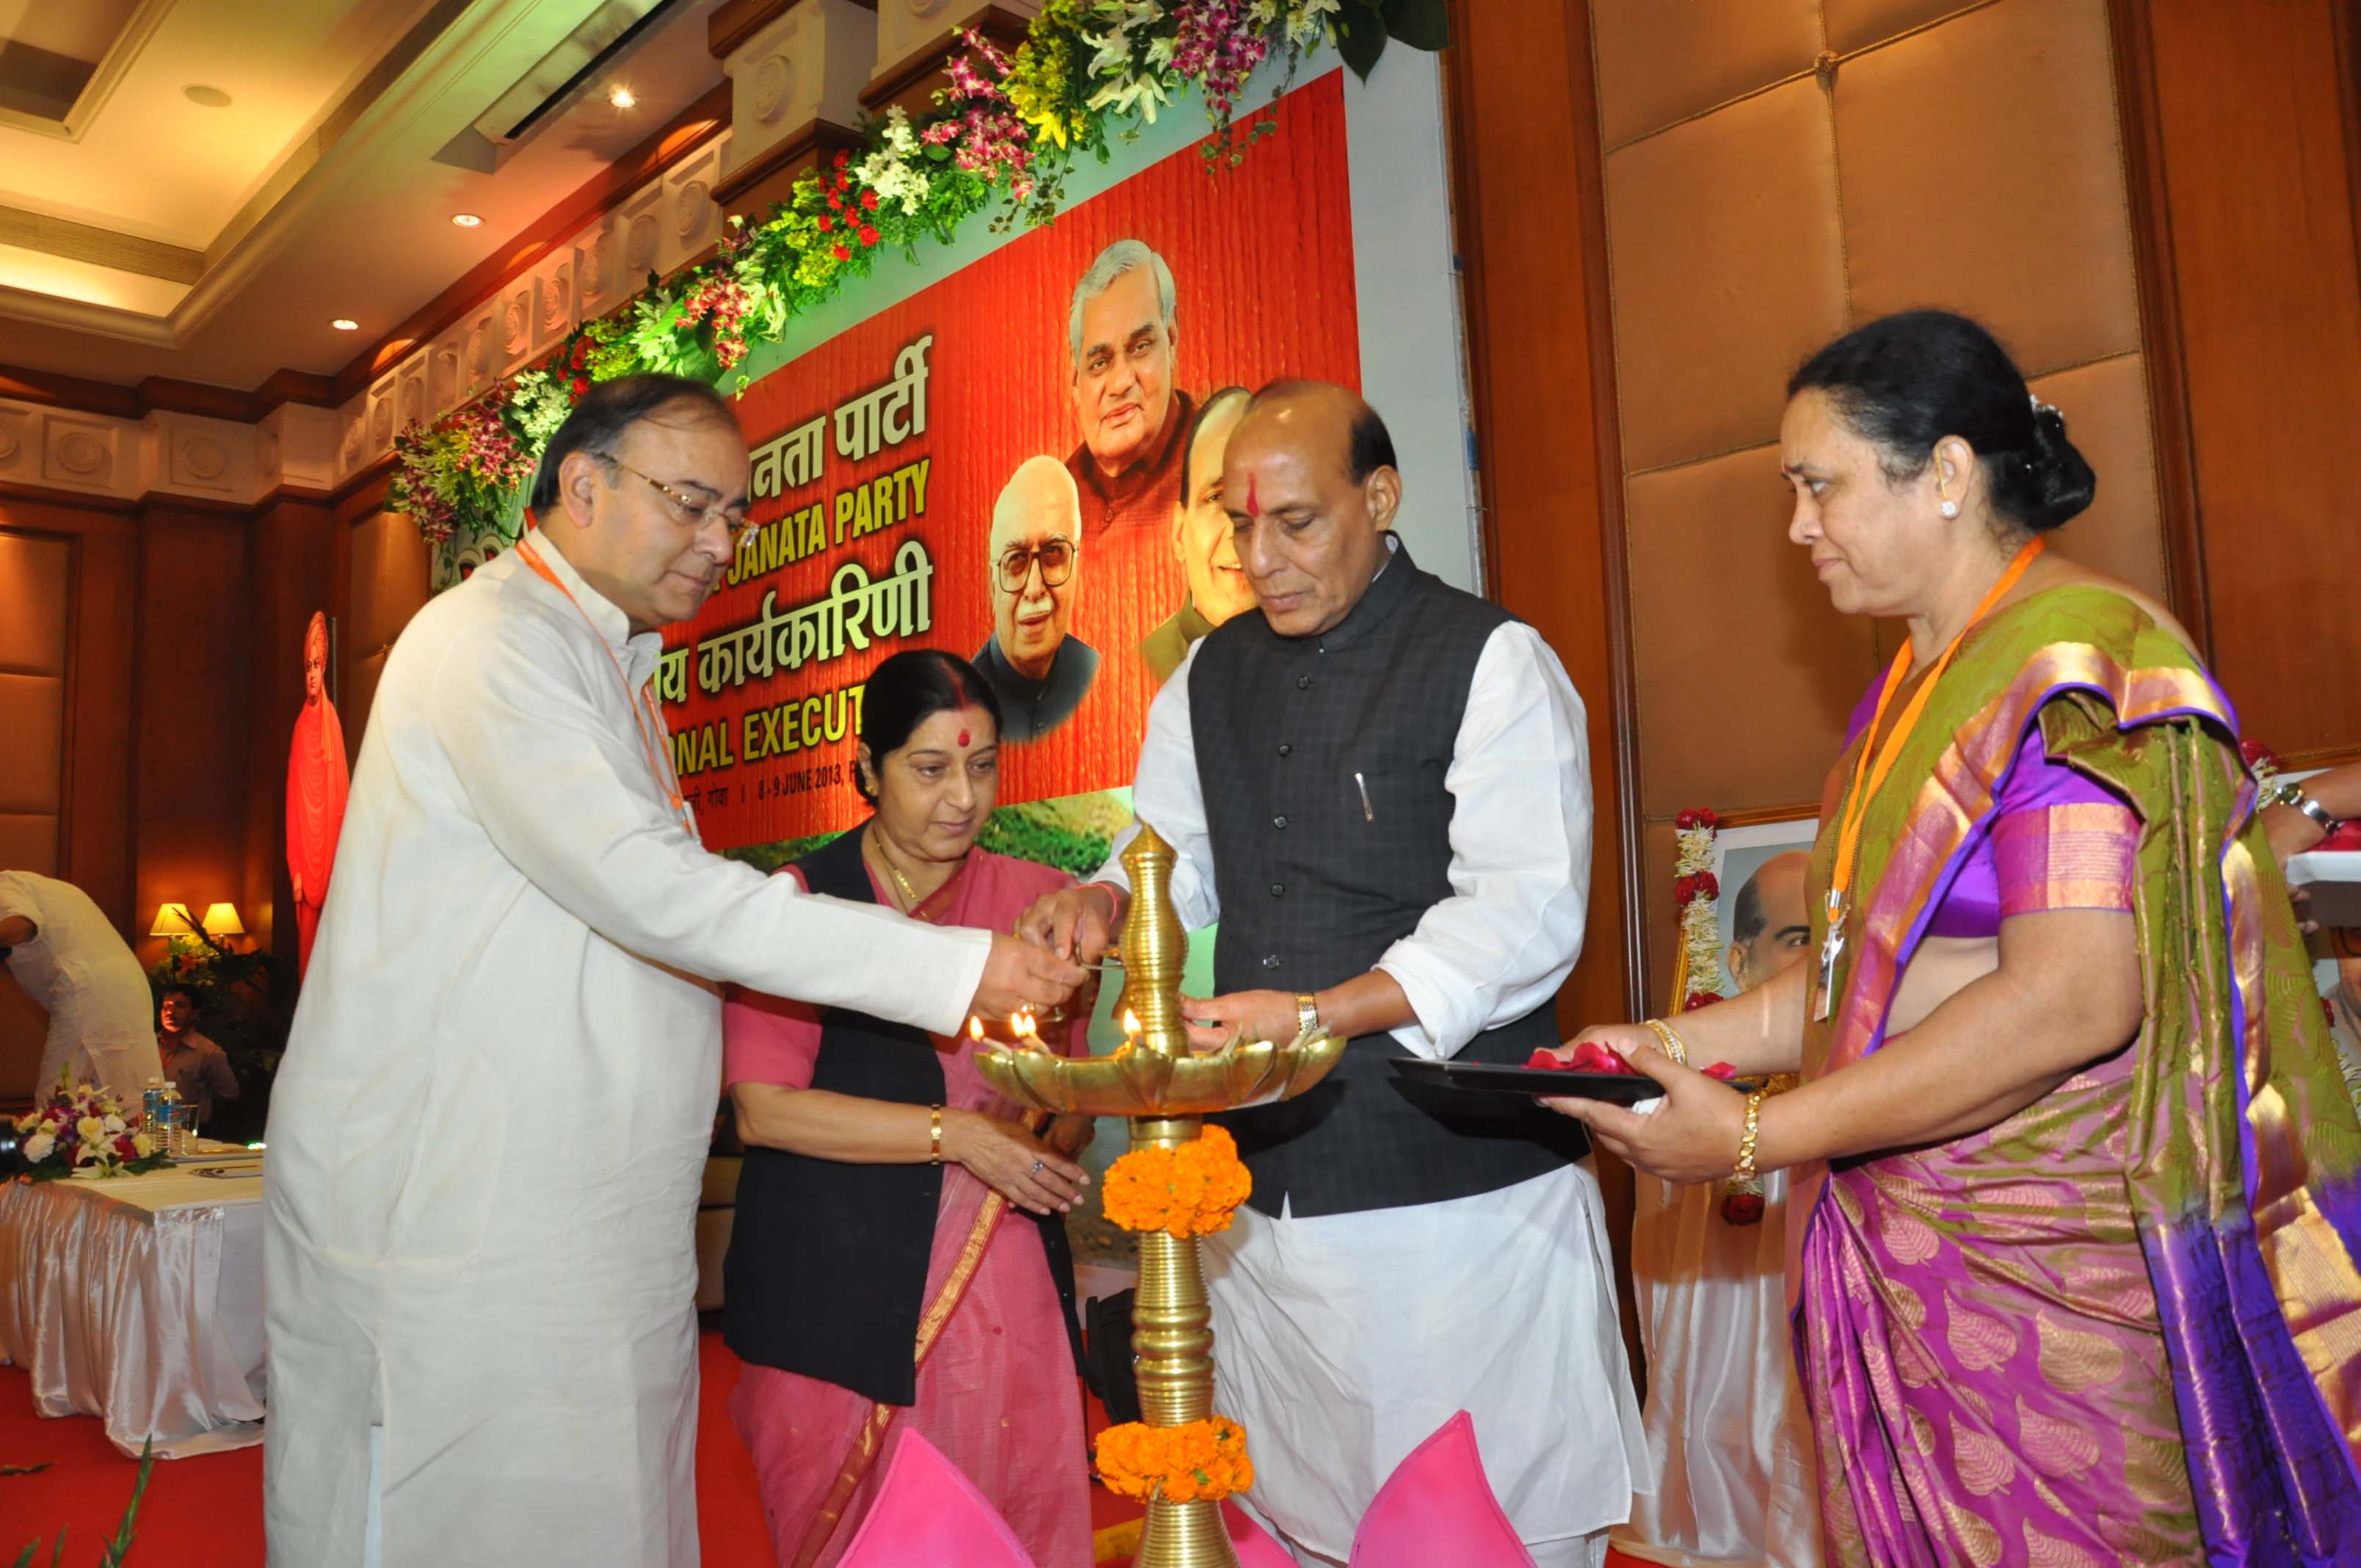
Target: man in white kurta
487,1138
1378,786
69,959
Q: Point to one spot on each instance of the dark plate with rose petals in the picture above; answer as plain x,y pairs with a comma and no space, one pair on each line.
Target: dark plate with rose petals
1491,1078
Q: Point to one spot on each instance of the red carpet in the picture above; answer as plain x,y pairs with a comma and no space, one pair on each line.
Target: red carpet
206,1512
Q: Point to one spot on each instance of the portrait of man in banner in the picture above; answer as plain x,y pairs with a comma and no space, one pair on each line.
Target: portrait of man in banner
1202,540
1120,333
1040,670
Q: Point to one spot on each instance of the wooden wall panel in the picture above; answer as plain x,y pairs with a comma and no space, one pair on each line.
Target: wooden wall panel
189,781
1527,199
2244,120
80,625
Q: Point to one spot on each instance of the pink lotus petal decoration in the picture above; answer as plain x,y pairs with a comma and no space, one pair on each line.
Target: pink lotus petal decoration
1437,1508
926,1511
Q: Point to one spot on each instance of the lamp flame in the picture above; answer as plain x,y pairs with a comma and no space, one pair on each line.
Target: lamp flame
974,1027
1130,1022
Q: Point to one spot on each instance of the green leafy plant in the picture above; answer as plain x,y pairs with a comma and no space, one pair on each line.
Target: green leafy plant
1003,135
112,1553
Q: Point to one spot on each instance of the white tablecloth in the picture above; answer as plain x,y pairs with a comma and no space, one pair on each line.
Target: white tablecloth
139,1300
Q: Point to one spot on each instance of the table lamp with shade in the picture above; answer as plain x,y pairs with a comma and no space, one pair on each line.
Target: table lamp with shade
220,922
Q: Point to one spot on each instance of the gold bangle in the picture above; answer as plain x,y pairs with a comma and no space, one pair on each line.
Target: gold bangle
1307,1013
934,1131
1744,1169
1671,1041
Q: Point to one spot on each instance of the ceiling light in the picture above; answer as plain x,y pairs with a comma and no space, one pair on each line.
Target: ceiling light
467,220
209,97
346,323
621,96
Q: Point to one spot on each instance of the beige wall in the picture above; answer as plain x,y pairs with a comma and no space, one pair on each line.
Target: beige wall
1777,171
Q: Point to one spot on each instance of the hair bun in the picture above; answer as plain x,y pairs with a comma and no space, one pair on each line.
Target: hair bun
2060,483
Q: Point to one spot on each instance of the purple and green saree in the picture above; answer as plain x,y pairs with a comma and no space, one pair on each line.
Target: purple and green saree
2124,1325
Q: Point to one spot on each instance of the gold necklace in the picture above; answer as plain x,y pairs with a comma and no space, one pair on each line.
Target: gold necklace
909,893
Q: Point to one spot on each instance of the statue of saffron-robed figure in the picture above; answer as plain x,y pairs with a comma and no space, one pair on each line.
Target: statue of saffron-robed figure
317,782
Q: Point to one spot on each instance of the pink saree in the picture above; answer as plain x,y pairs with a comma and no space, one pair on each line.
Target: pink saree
2122,1326
996,1390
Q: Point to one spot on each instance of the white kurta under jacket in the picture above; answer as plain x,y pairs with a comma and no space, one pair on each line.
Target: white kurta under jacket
487,1138
1343,1341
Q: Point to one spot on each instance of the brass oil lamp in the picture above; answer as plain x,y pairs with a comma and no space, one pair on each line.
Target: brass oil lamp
1167,1091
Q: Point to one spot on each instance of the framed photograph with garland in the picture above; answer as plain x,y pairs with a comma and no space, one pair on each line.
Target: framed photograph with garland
1738,888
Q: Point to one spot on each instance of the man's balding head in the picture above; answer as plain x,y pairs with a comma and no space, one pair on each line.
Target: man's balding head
1770,927
1036,527
1309,484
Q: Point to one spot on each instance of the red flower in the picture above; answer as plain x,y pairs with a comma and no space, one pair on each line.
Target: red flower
581,386
868,234
581,355
823,225
1699,817
843,159
835,203
1689,889
2256,753
1743,1208
869,200
842,253
125,1148
1697,999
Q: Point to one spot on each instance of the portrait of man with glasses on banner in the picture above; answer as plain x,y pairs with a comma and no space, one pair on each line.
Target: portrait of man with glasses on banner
1037,667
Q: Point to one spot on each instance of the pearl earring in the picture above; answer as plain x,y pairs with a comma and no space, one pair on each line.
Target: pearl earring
1951,509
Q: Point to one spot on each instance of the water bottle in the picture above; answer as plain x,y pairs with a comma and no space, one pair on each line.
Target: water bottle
173,1141
151,1110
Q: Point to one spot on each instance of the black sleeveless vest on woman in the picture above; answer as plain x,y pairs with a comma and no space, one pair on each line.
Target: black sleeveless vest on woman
827,1270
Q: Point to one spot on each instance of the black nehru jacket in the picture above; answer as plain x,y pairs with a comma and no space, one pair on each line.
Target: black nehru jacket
827,1269
1316,882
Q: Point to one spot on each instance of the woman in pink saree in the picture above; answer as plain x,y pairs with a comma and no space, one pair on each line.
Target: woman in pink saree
875,1272
2074,1249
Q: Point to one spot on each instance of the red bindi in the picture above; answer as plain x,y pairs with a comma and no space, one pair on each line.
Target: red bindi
963,739
1254,508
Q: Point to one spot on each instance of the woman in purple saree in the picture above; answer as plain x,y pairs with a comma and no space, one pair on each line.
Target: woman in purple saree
2074,1257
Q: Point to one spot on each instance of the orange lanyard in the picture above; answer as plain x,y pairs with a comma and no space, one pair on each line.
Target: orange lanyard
667,781
1873,775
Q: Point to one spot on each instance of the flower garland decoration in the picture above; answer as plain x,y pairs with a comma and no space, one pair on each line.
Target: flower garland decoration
1695,891
83,1128
1006,130
1186,1192
1195,1460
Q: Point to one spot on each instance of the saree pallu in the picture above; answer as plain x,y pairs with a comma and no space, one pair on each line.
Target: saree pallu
2123,1325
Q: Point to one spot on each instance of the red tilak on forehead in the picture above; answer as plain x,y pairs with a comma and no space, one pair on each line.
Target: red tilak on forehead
963,739
1254,507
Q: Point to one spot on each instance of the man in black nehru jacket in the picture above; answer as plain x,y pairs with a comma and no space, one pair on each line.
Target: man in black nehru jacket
1389,815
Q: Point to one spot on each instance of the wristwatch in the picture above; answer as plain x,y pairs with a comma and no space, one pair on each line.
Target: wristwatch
2290,794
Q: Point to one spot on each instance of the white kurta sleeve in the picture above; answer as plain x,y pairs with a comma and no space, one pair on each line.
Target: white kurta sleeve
1169,794
562,789
1520,779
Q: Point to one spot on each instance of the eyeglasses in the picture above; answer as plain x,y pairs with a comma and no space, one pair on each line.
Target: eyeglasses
695,514
1056,554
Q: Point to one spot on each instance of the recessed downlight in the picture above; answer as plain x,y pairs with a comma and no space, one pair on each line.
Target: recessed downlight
621,96
346,323
205,97
467,220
